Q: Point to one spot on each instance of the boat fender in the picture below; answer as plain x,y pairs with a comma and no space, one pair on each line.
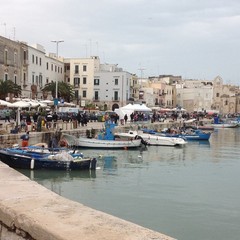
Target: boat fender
32,164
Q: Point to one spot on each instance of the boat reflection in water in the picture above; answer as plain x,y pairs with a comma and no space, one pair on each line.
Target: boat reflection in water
57,176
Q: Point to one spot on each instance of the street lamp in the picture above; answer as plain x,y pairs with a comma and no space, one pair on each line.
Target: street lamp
56,96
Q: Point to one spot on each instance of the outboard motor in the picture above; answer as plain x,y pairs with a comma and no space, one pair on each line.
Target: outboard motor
143,142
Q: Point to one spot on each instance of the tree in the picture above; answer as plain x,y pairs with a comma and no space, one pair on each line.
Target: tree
65,90
7,87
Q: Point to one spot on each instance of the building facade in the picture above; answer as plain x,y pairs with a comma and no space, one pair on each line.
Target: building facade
111,86
10,60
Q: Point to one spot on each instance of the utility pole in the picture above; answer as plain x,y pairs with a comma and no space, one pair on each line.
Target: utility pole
56,96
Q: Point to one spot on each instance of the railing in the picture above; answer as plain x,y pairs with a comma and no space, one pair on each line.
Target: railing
96,99
115,99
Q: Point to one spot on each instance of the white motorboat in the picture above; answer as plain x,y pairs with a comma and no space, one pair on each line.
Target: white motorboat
100,143
112,144
152,139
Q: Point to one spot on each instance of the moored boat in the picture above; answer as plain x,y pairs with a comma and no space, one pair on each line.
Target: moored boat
153,139
59,161
104,140
192,135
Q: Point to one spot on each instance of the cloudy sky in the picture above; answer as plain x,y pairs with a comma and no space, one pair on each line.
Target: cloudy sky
198,39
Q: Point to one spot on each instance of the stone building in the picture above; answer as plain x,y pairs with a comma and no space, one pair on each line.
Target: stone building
11,61
225,97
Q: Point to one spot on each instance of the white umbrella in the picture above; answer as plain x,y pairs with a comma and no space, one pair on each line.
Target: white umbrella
5,103
21,104
43,105
47,101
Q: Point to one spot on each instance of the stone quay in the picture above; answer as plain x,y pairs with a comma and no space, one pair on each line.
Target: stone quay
30,211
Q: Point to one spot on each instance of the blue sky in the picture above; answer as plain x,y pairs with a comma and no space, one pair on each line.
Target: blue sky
192,38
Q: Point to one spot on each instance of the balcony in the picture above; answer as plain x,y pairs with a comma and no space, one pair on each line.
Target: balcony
25,63
115,99
25,84
76,85
96,99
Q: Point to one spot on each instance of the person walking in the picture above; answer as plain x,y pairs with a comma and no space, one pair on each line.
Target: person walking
25,139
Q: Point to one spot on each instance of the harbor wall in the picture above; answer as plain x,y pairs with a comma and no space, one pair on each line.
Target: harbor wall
30,211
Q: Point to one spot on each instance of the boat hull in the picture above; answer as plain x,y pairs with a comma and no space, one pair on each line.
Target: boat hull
153,139
225,125
22,161
108,144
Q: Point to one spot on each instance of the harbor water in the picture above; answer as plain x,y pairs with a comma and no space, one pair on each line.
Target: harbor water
190,192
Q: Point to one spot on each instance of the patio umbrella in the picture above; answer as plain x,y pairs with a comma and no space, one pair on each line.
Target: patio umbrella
19,105
47,102
5,103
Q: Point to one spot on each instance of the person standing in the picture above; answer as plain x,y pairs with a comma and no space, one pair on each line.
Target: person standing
125,118
7,116
25,139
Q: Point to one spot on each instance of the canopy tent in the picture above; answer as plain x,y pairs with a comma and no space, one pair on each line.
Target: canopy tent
137,107
130,108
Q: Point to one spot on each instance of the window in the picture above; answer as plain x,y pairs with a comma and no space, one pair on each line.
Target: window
33,79
24,77
40,61
15,58
6,77
52,67
96,81
55,68
15,79
36,80
217,95
40,80
25,56
115,96
6,57
36,60
76,71
84,80
47,65
76,94
32,58
84,68
84,93
76,82
116,81
96,95
47,80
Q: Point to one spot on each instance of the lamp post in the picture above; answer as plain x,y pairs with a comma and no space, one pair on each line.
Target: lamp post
56,96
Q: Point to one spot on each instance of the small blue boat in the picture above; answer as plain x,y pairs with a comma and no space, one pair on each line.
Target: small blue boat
193,134
29,159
